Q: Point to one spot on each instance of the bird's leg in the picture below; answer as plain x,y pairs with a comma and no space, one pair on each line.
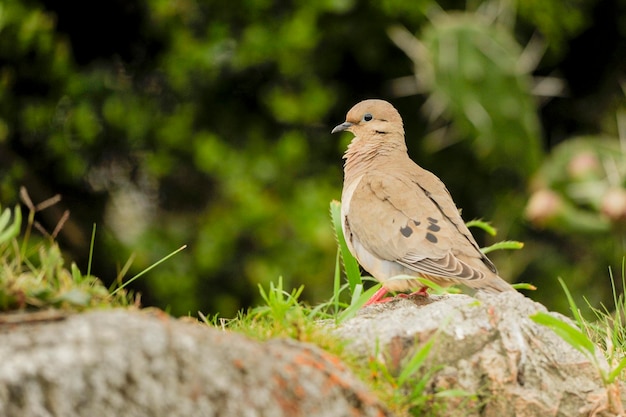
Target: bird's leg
378,297
422,291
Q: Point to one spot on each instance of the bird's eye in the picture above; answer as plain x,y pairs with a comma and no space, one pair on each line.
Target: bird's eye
367,117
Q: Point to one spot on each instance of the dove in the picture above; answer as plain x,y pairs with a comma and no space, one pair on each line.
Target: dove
398,219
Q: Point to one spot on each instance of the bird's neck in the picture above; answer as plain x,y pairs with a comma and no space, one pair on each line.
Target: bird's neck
364,154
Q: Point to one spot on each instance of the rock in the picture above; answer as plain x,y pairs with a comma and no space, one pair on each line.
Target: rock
129,363
125,364
488,346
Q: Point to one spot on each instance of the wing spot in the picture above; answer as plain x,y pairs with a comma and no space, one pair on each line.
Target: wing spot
434,228
415,222
406,231
431,220
431,238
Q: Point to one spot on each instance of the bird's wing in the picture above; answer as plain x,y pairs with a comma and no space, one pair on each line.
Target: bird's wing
412,220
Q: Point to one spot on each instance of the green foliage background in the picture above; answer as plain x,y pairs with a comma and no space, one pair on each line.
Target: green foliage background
207,123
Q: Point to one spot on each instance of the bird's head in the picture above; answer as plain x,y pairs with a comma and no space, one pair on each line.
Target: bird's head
372,117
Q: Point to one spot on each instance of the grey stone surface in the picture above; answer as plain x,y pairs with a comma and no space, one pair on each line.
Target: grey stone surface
486,345
123,363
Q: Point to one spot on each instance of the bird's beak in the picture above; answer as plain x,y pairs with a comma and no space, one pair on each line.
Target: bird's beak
342,127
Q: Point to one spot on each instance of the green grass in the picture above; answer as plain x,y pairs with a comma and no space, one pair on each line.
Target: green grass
602,340
33,273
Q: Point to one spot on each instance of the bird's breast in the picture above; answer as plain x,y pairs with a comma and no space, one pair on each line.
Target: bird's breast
349,186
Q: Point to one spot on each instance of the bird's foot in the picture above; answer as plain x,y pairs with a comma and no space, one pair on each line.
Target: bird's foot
422,291
379,296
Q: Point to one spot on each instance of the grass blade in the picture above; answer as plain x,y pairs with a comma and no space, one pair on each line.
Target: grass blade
154,265
91,246
416,361
359,299
337,282
482,225
617,370
350,264
573,336
14,228
504,245
572,304
4,218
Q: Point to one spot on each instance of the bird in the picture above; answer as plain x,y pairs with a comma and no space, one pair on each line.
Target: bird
399,219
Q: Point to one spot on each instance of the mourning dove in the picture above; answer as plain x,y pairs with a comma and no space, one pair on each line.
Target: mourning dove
399,219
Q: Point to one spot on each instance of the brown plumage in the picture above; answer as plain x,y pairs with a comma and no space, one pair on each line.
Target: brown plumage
398,218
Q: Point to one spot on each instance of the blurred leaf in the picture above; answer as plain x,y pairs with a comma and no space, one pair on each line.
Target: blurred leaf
353,273
8,229
557,21
482,225
470,67
506,245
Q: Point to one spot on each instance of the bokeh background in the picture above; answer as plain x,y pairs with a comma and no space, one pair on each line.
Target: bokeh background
207,123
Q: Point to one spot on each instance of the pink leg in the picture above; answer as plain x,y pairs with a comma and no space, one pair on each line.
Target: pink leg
422,291
377,297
